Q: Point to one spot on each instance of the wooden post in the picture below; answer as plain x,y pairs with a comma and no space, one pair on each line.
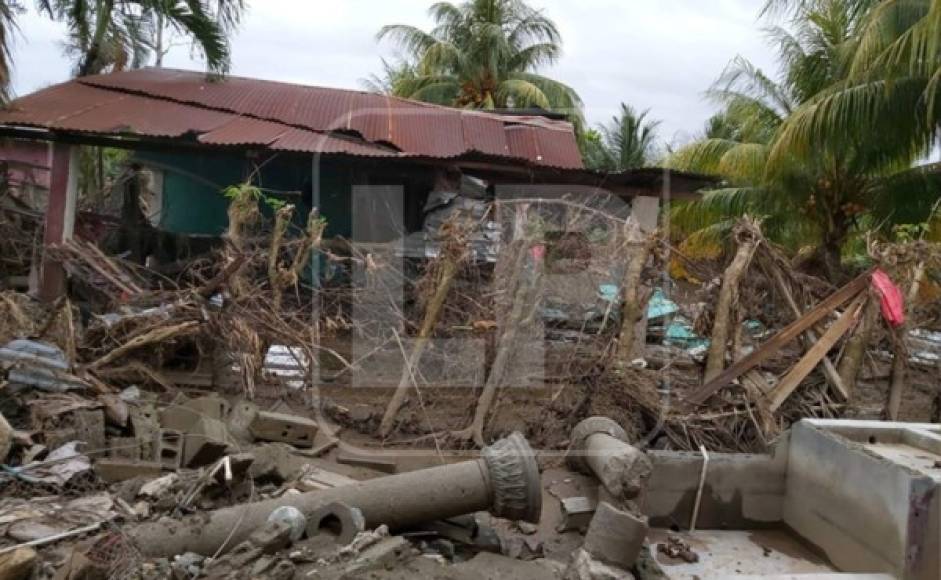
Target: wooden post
60,216
748,237
631,340
900,360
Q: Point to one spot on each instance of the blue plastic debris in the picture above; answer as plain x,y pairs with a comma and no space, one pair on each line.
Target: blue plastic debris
660,306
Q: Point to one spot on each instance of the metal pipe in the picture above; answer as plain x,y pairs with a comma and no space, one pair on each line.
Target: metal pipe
504,481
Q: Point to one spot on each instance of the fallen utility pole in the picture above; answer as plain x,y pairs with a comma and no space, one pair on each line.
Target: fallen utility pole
504,481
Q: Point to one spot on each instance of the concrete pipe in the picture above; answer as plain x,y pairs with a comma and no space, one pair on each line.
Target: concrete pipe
599,447
504,481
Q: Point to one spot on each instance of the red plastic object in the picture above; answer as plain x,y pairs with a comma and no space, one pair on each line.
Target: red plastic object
893,303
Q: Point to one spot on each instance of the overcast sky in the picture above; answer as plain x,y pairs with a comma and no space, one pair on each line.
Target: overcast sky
656,54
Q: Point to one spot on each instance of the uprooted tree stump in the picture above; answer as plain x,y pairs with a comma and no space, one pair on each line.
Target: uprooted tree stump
747,236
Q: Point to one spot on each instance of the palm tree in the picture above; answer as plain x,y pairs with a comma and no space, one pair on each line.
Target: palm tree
9,10
483,54
116,34
627,141
892,86
819,196
394,75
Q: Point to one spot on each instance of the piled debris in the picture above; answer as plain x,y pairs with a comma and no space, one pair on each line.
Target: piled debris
174,426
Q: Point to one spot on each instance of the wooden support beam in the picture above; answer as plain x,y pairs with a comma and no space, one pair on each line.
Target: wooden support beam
60,216
816,353
810,337
786,335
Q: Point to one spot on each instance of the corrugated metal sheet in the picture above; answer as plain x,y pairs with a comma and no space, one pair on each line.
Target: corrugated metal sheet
240,111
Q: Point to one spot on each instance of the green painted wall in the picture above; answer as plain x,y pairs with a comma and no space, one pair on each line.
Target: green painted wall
193,202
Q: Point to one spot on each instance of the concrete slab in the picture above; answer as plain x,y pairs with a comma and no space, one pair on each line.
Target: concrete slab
734,554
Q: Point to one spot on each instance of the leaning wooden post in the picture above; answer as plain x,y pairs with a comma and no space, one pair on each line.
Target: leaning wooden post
449,260
900,362
632,307
747,236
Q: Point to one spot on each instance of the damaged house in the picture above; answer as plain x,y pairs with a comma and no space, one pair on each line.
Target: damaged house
346,153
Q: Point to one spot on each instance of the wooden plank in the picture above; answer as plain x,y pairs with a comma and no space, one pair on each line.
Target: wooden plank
810,337
816,353
786,335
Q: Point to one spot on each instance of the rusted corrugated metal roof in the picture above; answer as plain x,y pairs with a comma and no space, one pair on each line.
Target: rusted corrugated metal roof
251,112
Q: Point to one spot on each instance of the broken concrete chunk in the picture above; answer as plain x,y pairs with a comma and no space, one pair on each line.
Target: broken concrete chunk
212,407
616,536
383,555
292,429
584,567
576,513
205,442
272,537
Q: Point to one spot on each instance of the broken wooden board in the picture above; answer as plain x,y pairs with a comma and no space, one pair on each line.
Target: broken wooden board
810,337
786,335
816,353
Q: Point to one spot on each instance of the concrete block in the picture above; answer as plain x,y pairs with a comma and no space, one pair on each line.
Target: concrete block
211,406
616,536
576,513
298,431
206,441
178,417
168,448
113,470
